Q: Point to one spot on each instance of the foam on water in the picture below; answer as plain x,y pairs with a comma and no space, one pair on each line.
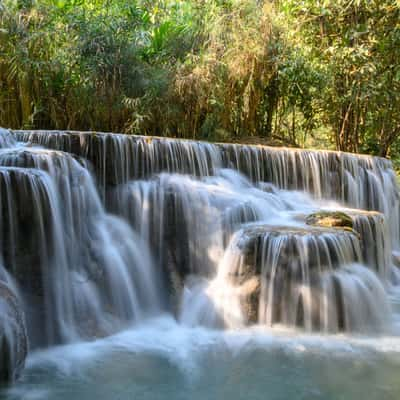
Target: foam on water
187,359
183,346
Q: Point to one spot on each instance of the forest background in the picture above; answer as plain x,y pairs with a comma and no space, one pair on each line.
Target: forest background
321,74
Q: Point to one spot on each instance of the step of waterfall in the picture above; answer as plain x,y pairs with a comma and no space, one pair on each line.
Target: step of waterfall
359,181
305,279
372,230
70,258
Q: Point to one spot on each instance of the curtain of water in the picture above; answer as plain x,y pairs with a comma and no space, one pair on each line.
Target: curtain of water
191,203
88,270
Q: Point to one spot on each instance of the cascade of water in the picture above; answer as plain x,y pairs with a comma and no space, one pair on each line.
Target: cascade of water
13,339
7,139
376,243
372,230
193,219
185,220
290,276
291,263
204,210
118,158
221,224
307,279
215,303
359,181
189,221
361,302
175,212
86,262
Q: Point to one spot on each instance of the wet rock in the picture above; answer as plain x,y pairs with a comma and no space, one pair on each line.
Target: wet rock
25,224
13,337
234,217
396,259
330,219
319,244
371,229
249,294
280,267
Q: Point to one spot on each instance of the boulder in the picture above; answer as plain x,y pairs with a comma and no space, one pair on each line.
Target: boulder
290,262
370,227
320,245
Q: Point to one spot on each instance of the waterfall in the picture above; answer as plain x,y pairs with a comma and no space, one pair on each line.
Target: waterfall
355,180
175,212
214,304
7,139
216,234
13,343
188,221
377,246
291,277
303,281
84,273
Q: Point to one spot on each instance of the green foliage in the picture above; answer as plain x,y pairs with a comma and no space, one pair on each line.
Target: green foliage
357,42
304,73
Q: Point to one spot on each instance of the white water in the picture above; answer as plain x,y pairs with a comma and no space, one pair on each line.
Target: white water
162,359
96,274
202,239
210,208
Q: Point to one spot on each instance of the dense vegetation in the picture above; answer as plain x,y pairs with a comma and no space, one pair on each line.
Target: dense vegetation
322,73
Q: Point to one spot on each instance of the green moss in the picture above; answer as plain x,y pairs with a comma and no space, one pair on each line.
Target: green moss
330,219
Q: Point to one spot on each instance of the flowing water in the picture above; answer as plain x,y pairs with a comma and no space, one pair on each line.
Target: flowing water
156,268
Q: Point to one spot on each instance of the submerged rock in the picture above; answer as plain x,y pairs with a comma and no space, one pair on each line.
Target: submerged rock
13,337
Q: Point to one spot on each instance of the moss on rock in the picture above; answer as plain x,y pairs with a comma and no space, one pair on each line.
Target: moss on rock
330,219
